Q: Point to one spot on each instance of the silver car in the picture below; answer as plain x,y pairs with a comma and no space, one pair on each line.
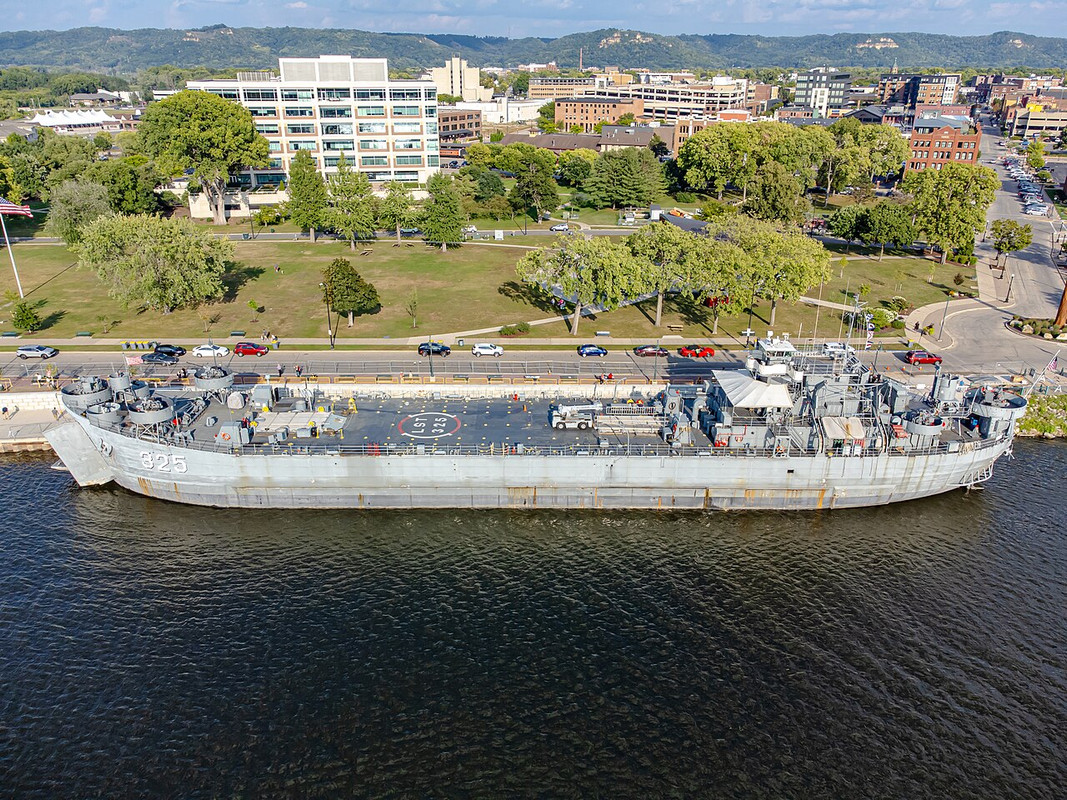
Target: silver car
36,351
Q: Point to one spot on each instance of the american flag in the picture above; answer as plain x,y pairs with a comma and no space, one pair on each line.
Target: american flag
7,207
1055,362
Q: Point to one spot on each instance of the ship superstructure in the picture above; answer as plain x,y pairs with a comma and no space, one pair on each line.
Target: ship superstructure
791,430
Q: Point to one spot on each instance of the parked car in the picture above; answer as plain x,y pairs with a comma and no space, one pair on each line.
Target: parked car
410,231
434,349
36,351
914,357
650,350
156,357
210,351
591,350
696,351
1034,211
561,227
485,349
250,349
470,230
170,350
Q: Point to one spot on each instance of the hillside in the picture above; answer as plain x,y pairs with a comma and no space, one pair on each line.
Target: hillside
221,47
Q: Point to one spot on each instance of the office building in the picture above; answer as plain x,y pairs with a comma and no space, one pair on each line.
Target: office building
334,107
822,89
460,80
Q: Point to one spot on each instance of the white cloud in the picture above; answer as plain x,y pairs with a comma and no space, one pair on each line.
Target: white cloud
300,4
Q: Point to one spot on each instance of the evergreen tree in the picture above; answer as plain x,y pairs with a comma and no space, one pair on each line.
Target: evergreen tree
628,177
442,214
350,209
346,292
307,193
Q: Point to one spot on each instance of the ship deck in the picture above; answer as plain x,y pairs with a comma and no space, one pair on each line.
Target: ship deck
440,422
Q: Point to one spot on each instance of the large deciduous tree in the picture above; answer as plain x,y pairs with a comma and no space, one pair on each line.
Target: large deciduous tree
206,133
587,271
887,223
308,198
776,195
950,203
73,205
350,209
346,292
162,264
661,250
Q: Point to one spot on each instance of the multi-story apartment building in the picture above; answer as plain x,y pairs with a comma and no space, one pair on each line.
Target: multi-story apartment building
459,124
553,88
334,107
936,141
823,88
919,89
586,112
672,102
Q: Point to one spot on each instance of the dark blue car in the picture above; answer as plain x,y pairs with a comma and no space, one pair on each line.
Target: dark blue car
591,350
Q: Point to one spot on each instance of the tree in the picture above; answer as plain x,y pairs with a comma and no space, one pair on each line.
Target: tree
412,306
206,133
662,251
253,306
1035,155
395,209
102,141
1009,236
308,198
786,262
887,223
442,213
24,317
350,209
72,206
776,195
590,271
950,203
576,165
631,176
721,274
534,187
346,292
626,119
658,146
130,182
546,117
162,264
846,223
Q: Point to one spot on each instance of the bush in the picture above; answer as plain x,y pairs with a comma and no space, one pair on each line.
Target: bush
882,317
897,324
899,303
958,279
685,197
518,329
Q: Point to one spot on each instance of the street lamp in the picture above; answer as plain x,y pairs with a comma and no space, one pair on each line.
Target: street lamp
429,354
326,297
251,226
944,317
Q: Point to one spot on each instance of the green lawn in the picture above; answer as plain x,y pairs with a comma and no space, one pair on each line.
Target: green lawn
470,287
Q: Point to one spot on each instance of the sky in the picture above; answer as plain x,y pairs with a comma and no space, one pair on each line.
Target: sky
551,18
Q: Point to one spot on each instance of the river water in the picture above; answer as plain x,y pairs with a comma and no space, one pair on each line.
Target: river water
157,650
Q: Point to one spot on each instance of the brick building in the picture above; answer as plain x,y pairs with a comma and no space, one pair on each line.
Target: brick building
586,112
937,141
458,124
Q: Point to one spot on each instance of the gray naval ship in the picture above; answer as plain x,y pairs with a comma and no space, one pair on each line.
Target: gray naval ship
791,430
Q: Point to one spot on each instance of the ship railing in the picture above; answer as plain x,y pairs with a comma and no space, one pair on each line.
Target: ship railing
302,447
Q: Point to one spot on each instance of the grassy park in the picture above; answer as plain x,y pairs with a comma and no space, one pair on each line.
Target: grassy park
471,287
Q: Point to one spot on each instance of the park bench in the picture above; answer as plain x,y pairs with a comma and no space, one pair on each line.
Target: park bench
237,333
674,327
84,333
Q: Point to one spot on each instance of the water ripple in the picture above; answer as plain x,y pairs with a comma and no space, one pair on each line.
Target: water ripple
150,649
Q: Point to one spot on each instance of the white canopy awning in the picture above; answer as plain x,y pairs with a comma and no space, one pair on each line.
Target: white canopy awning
54,119
746,392
843,428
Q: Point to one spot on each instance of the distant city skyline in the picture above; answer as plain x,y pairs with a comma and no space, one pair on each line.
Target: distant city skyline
554,18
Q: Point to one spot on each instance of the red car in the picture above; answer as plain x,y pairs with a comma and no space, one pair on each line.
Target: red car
696,351
921,357
250,349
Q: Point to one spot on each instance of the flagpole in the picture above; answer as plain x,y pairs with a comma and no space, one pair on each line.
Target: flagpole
1040,377
11,255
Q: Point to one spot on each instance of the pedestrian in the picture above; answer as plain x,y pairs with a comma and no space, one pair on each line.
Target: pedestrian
611,376
299,370
917,327
281,369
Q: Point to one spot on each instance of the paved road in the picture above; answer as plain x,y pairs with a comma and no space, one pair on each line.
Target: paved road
976,330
